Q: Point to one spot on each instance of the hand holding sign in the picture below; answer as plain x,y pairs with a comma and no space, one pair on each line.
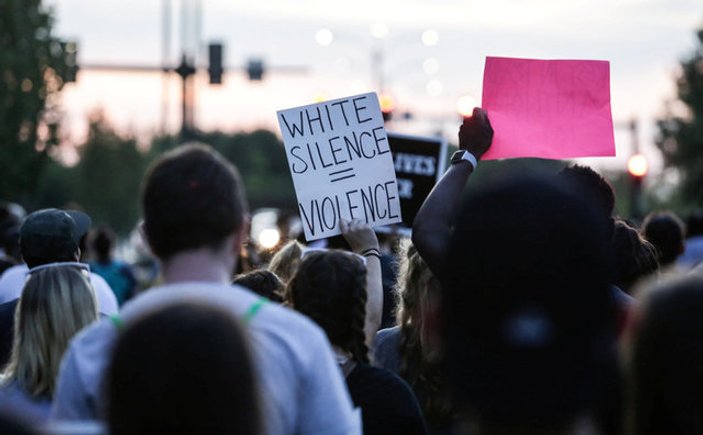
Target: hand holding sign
341,164
476,133
548,108
359,235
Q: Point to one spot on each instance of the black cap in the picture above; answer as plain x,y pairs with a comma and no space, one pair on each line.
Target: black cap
51,234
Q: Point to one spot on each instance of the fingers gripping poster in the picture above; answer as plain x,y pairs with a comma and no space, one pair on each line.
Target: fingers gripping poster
340,160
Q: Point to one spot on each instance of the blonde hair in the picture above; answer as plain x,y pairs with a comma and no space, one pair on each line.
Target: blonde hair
415,288
56,303
286,261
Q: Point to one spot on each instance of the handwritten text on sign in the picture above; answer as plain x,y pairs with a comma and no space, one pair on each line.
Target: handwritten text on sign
341,164
553,109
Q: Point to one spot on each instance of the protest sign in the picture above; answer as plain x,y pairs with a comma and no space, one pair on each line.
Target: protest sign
419,163
548,108
340,160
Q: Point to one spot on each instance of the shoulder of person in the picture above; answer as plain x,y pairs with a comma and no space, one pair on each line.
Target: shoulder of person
396,394
257,313
12,281
386,335
89,351
386,340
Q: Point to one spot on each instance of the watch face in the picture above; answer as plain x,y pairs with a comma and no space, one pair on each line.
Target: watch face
457,157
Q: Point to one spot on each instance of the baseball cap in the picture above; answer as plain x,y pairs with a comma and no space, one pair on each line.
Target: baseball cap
50,234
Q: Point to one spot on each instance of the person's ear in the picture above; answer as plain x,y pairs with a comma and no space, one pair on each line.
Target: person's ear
242,234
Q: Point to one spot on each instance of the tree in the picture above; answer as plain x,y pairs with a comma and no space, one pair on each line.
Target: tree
32,64
260,157
680,137
108,176
104,183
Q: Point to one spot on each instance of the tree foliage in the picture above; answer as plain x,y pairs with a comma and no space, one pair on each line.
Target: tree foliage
261,159
106,180
32,65
680,137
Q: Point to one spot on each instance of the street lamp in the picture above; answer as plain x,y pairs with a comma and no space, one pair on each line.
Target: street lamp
465,105
637,166
434,88
379,33
430,66
430,37
387,104
324,37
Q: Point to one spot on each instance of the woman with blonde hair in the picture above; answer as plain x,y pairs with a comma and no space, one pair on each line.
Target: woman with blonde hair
57,301
408,348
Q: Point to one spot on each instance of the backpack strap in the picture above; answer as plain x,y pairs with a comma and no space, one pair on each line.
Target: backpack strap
118,322
254,309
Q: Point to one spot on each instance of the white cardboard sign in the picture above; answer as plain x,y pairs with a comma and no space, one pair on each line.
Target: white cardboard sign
341,164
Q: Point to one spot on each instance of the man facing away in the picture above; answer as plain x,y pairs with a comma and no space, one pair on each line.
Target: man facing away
194,222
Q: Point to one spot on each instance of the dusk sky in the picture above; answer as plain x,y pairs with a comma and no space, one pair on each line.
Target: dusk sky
642,39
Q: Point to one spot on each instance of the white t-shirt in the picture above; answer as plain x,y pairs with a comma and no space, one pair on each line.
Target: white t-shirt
12,283
302,387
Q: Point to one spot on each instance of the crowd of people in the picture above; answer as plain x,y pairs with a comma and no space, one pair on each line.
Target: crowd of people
521,307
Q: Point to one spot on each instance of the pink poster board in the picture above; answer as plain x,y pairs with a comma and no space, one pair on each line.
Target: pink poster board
553,109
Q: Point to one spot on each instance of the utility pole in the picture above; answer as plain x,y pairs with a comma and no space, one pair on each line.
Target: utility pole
188,65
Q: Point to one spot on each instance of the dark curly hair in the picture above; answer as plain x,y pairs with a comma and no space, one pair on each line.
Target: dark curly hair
330,288
635,257
262,282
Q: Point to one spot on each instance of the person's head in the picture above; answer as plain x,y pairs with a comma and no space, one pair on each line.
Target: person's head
52,235
103,242
664,230
57,301
666,359
286,261
262,282
192,199
694,224
635,257
330,288
185,368
527,315
597,187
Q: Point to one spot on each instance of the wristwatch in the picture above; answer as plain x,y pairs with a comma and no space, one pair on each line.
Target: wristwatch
463,155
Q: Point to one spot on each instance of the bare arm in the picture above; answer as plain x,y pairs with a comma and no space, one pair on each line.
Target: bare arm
361,238
432,225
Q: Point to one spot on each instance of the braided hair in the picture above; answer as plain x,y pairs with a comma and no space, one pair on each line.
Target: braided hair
330,288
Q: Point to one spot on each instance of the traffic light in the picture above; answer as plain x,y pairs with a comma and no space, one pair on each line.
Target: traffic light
255,69
215,68
387,105
637,167
465,105
69,49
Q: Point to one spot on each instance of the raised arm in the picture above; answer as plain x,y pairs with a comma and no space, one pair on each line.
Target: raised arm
363,241
432,225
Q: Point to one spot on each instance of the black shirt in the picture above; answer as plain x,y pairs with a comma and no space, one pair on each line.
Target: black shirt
388,405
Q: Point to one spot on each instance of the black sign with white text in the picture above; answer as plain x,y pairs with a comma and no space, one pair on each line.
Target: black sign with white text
419,163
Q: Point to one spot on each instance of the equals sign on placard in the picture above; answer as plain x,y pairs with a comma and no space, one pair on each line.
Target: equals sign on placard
342,175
